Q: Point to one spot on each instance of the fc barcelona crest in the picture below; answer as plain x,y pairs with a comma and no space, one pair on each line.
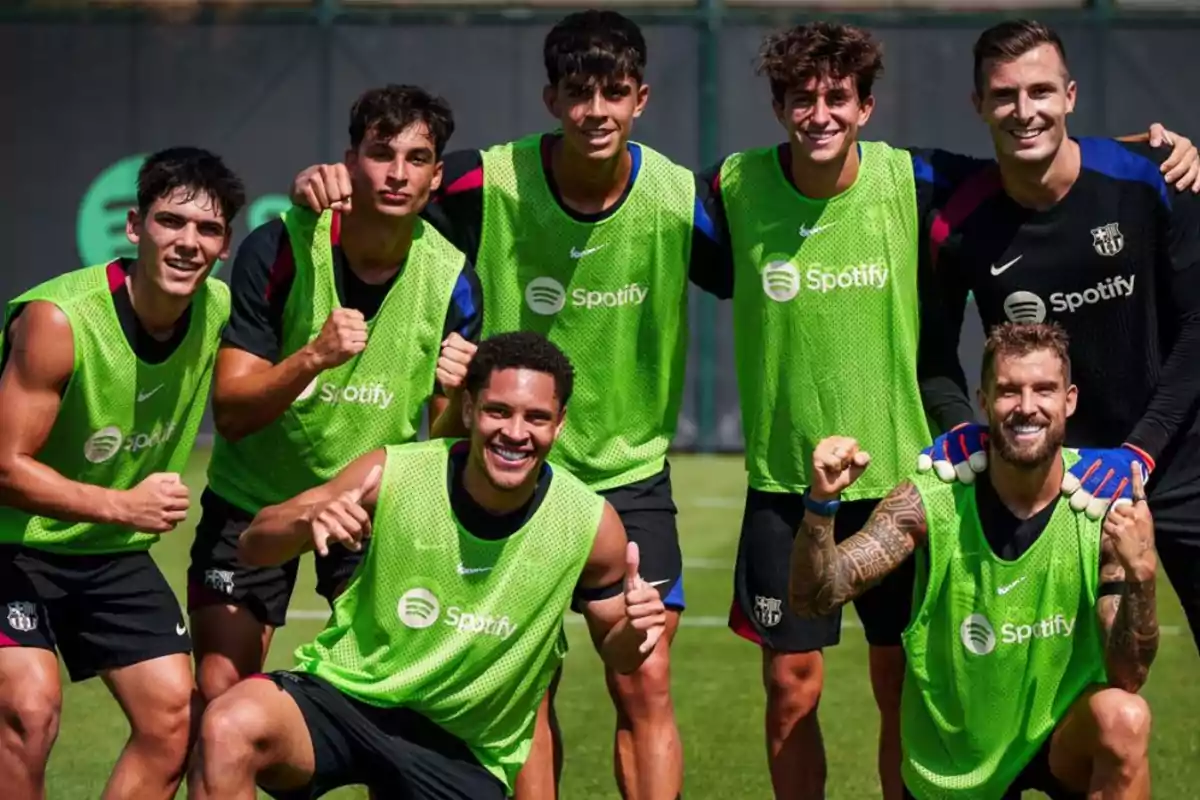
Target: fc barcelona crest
1108,239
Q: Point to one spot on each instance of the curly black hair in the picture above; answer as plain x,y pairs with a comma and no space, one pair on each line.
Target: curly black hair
195,171
388,110
594,46
521,350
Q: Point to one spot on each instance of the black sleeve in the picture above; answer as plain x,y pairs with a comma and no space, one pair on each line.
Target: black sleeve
257,296
465,314
456,208
942,294
1178,266
712,255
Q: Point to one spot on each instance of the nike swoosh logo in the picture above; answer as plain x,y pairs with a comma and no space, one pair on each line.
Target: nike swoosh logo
180,629
147,395
813,231
581,253
1006,589
997,270
659,583
462,570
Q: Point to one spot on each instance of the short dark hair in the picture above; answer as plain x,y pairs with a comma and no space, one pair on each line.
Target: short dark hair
594,46
388,110
521,350
1015,339
818,50
194,171
1010,40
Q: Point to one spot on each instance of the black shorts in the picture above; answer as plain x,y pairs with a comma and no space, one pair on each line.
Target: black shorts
101,612
394,751
1178,546
217,577
1036,777
647,511
760,612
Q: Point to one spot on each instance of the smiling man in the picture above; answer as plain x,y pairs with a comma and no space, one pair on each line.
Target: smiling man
1036,625
106,373
590,238
331,351
427,680
1084,232
825,271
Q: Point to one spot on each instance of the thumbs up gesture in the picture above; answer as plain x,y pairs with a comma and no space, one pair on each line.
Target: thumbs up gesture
644,609
343,520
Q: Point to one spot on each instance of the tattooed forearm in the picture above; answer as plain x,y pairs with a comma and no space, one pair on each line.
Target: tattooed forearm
826,576
1133,638
813,585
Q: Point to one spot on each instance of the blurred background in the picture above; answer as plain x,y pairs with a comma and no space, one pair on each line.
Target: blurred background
90,86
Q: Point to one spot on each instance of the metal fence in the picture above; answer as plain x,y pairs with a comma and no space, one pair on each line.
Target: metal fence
88,87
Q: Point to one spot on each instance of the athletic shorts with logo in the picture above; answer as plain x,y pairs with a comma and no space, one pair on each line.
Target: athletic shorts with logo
396,752
1036,777
100,612
647,511
217,577
760,612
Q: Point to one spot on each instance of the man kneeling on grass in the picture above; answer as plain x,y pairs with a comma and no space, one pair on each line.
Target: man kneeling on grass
1033,626
426,682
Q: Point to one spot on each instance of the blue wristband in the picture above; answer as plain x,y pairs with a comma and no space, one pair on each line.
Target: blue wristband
822,509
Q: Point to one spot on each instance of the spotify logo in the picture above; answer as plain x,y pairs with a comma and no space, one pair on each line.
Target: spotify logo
1024,307
545,296
100,222
418,608
781,281
103,444
978,635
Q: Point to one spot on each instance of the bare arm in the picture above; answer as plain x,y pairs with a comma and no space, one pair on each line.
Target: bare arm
1129,620
282,532
250,393
826,576
618,637
39,365
445,414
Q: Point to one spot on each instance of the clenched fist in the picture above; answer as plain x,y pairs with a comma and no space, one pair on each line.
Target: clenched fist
342,337
452,364
343,520
837,463
323,186
1130,528
157,504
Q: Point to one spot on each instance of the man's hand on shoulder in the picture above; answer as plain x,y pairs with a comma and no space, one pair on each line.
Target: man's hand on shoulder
1101,478
959,454
323,186
1181,168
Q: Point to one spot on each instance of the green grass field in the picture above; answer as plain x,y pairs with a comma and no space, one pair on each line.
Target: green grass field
717,688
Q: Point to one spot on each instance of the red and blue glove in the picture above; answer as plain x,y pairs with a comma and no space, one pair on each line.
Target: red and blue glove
1101,477
959,454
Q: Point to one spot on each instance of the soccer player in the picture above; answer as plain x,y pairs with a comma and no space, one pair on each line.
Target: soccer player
1035,625
331,351
427,680
826,322
1084,232
106,372
589,238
